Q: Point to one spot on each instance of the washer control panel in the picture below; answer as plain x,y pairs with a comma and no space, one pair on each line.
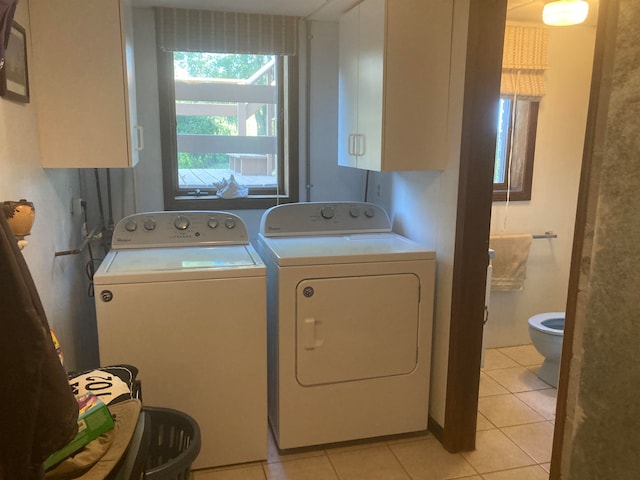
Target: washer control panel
179,229
322,218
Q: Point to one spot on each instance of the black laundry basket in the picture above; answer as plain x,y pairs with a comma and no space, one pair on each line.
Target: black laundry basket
174,444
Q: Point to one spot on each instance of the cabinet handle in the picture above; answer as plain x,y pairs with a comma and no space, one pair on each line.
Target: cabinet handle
350,144
140,135
360,145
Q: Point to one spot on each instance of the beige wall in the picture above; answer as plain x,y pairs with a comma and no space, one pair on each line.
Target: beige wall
61,282
558,156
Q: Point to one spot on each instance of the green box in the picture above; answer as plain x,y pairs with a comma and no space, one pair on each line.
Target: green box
94,419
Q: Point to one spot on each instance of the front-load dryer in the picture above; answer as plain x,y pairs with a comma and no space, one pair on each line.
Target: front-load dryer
349,315
182,296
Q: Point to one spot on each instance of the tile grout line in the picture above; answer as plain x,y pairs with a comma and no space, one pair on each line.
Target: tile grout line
514,394
264,464
333,467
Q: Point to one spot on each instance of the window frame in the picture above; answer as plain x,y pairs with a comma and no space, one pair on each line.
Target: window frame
176,198
521,163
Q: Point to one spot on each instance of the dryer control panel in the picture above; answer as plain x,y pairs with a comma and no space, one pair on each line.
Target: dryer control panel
324,218
179,229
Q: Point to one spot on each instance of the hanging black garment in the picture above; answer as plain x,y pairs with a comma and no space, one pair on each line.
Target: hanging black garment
38,412
7,10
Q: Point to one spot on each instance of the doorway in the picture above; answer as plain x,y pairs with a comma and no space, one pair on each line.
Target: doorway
516,391
473,231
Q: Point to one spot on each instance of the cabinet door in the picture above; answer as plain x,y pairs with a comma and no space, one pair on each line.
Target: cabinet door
80,83
136,136
348,88
417,73
404,56
370,83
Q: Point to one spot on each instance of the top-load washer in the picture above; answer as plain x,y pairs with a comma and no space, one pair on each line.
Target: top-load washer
182,296
350,306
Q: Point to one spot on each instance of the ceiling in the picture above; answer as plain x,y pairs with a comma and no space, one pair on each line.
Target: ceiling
330,10
327,10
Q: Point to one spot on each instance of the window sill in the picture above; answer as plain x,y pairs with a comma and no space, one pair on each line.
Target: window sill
501,196
253,202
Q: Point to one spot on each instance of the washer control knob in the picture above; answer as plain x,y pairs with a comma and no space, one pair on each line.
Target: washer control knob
212,222
181,222
130,226
230,223
354,212
370,212
149,224
327,212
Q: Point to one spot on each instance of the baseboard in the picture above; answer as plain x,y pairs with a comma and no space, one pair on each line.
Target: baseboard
435,429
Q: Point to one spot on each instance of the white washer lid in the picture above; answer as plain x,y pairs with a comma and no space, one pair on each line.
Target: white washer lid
355,248
186,263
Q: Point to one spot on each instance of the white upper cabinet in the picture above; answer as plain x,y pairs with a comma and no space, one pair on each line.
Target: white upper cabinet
83,83
394,84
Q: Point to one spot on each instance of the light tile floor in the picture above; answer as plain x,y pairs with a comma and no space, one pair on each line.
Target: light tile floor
516,411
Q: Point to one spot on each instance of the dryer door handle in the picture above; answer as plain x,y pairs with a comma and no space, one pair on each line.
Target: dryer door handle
312,337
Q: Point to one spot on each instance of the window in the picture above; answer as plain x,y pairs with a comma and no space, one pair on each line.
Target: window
228,85
524,61
515,149
226,115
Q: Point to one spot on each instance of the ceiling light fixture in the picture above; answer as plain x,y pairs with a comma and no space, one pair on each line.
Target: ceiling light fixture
565,12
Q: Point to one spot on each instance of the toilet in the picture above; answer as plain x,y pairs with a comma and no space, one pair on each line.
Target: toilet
546,331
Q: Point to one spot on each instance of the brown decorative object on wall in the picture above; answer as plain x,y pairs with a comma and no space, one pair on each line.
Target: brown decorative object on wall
14,77
20,216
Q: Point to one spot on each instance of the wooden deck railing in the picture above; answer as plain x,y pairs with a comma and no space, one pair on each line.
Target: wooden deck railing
250,155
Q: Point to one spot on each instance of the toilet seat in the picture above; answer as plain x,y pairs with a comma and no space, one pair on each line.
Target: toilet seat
549,318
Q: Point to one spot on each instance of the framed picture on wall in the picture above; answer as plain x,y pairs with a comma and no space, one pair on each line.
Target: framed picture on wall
14,77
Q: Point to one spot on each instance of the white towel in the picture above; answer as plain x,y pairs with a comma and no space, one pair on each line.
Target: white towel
510,262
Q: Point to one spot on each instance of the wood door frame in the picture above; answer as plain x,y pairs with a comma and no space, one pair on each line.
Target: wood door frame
487,19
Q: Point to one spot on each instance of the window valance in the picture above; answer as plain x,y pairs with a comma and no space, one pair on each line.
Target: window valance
524,61
180,29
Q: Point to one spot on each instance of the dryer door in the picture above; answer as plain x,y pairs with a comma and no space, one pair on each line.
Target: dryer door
352,328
